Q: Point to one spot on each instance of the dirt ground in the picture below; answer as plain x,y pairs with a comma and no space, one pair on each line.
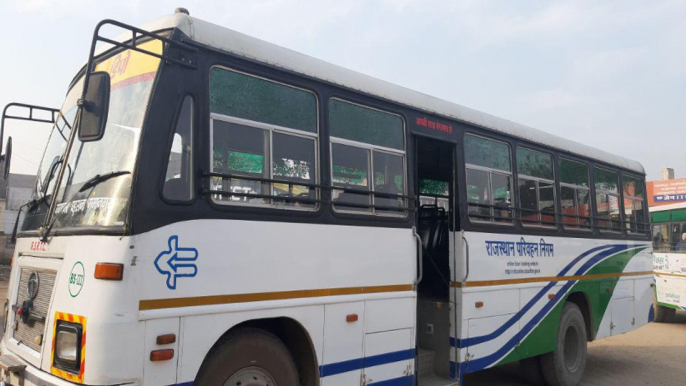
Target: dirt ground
653,355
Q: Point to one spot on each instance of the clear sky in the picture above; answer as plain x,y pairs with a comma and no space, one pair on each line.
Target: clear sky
610,74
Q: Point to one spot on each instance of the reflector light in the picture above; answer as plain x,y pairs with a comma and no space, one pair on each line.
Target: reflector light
161,355
109,271
166,339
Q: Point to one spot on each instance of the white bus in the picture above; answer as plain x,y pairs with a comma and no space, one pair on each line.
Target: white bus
212,209
669,249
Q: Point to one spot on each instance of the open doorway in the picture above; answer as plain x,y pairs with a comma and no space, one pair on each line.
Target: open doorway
435,224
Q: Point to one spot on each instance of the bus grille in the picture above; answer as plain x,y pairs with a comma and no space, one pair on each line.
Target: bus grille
27,333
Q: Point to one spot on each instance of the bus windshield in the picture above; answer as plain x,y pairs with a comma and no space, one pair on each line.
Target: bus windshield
132,75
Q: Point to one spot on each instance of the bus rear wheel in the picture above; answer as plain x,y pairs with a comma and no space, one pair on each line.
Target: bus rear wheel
249,357
663,314
566,365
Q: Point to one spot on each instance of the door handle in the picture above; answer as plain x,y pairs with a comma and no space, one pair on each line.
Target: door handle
466,244
420,256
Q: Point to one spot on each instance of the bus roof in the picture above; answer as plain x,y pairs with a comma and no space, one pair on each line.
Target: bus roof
243,45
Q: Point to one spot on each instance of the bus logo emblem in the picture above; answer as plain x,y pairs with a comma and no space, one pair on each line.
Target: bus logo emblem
176,262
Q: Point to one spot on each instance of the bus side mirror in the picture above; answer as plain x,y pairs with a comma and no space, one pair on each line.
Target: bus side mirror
94,107
7,158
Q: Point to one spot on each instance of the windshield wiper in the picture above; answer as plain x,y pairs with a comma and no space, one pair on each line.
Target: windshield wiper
91,183
100,178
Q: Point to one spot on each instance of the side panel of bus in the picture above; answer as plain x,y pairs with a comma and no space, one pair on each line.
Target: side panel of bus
512,302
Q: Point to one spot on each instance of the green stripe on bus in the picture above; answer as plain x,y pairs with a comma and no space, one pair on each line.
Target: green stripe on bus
669,306
598,292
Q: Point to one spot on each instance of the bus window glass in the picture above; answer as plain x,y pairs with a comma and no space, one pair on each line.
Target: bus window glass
489,179
534,164
240,151
574,187
502,201
528,201
661,237
350,171
178,182
583,197
478,188
368,154
388,178
536,187
546,193
487,153
293,160
243,96
634,209
607,199
606,180
267,131
678,237
366,125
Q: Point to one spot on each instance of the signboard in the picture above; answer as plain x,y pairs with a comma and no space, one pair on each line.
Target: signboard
666,192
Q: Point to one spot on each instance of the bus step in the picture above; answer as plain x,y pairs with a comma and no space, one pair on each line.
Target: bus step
425,361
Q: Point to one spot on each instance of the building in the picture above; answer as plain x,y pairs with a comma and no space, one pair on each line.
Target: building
666,192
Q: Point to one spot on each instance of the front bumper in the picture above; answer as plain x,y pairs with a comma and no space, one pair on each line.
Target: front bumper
15,371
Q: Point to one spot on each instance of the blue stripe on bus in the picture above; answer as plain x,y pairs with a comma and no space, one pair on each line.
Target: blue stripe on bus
371,361
463,343
482,363
407,380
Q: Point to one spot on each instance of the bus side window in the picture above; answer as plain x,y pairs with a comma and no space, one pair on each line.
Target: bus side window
178,180
489,179
607,199
660,237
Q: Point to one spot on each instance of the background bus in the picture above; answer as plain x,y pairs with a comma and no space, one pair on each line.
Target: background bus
247,214
668,218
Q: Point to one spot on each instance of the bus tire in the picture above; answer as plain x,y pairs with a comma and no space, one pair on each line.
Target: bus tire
531,368
566,365
663,314
249,356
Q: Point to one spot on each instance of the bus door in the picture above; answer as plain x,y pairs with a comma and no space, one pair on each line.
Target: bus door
437,229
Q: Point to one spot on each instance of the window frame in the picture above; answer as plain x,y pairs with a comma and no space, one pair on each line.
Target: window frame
576,188
192,159
370,148
491,220
617,194
270,128
537,181
627,221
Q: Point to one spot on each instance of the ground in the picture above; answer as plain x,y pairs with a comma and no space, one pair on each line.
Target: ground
653,355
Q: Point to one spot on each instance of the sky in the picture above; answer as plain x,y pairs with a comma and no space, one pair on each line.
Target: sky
609,74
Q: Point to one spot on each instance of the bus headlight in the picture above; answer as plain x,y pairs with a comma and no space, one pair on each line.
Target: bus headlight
67,355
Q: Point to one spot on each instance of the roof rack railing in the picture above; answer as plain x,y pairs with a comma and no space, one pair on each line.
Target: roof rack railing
132,44
54,114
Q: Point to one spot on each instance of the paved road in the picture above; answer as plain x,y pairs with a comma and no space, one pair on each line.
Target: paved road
652,355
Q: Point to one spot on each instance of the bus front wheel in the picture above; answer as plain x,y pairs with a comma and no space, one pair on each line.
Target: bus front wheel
250,357
663,314
565,366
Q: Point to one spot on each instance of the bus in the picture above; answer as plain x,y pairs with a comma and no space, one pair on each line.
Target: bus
212,209
669,249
